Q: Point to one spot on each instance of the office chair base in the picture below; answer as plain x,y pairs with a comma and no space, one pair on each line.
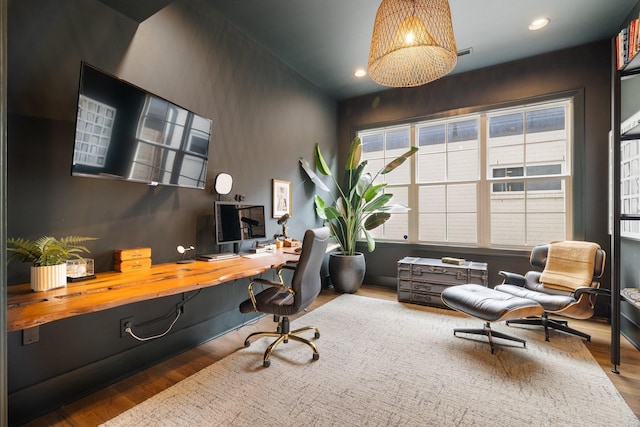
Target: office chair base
490,334
544,321
283,335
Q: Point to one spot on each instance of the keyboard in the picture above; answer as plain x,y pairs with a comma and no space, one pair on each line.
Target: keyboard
256,255
217,257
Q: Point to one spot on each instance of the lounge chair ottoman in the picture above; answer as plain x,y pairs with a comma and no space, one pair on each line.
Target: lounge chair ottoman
491,306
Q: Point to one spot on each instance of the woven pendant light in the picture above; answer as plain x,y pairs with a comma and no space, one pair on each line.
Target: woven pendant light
412,43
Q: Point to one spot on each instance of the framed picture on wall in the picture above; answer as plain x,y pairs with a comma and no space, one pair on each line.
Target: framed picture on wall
281,198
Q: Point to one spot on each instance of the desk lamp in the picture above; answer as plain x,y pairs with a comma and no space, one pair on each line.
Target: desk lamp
182,250
283,221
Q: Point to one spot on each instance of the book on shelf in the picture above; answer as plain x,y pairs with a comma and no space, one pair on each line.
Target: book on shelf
628,43
631,126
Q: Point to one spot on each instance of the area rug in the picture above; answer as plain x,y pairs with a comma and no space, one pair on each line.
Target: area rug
385,363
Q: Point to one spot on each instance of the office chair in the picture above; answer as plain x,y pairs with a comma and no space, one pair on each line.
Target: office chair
567,286
282,300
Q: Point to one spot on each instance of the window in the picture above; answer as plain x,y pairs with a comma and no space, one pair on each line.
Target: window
497,178
448,170
379,148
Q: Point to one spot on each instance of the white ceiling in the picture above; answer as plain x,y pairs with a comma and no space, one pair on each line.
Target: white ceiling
326,40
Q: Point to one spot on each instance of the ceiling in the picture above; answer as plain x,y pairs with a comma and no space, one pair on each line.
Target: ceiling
326,40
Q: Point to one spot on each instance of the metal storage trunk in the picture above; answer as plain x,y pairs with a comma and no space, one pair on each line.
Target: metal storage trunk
422,280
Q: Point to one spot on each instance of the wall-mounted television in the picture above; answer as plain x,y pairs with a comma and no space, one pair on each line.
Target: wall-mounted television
124,132
239,222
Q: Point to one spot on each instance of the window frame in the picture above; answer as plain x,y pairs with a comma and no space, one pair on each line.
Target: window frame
572,177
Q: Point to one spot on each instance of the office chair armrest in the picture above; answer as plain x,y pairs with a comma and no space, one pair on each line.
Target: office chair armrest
593,291
512,278
268,283
285,267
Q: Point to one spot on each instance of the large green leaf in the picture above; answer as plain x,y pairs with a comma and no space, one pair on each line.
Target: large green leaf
373,192
398,160
395,208
341,207
376,219
324,211
371,243
321,165
351,179
378,203
364,183
332,213
321,207
339,230
355,153
312,176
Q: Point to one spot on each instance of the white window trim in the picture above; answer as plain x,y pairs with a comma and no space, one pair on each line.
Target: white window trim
484,182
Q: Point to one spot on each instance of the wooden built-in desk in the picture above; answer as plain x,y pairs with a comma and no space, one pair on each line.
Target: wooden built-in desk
27,309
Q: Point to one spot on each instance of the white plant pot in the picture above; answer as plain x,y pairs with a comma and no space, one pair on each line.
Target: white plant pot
48,277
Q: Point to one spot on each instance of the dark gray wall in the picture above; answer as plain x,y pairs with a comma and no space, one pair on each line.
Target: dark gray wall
264,115
583,71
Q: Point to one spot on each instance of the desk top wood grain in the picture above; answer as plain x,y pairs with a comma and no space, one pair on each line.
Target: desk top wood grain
26,309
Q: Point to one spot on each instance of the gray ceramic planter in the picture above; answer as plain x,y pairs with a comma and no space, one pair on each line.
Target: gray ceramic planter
347,271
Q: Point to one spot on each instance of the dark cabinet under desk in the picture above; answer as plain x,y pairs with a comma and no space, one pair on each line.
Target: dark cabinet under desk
422,280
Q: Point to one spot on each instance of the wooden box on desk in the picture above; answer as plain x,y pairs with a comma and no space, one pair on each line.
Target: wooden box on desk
292,243
133,265
120,255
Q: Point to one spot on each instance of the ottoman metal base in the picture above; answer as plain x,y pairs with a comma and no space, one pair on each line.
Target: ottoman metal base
491,306
489,333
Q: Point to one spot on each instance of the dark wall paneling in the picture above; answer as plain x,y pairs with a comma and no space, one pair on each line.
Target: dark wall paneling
584,71
265,117
73,358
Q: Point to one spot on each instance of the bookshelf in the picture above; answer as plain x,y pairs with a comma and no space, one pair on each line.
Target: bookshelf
625,181
627,44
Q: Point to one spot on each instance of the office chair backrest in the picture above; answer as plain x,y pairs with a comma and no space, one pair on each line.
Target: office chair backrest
306,280
539,255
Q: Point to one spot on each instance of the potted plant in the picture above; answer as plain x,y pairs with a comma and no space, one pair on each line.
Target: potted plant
359,206
48,257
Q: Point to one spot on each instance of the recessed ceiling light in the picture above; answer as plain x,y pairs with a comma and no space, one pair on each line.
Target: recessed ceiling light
536,24
360,72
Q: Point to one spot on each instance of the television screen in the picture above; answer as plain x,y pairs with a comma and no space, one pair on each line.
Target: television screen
237,222
126,133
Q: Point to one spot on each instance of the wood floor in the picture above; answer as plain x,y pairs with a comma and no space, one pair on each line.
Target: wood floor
111,401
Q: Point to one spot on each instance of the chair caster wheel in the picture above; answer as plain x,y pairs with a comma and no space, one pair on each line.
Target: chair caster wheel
316,356
266,363
247,343
317,335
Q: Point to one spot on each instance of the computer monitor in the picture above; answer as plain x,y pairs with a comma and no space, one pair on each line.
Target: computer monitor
239,222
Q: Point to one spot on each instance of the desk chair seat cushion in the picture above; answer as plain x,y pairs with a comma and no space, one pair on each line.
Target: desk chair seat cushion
272,300
489,304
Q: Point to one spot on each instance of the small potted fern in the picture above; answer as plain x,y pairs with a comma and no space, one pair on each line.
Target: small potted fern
48,257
